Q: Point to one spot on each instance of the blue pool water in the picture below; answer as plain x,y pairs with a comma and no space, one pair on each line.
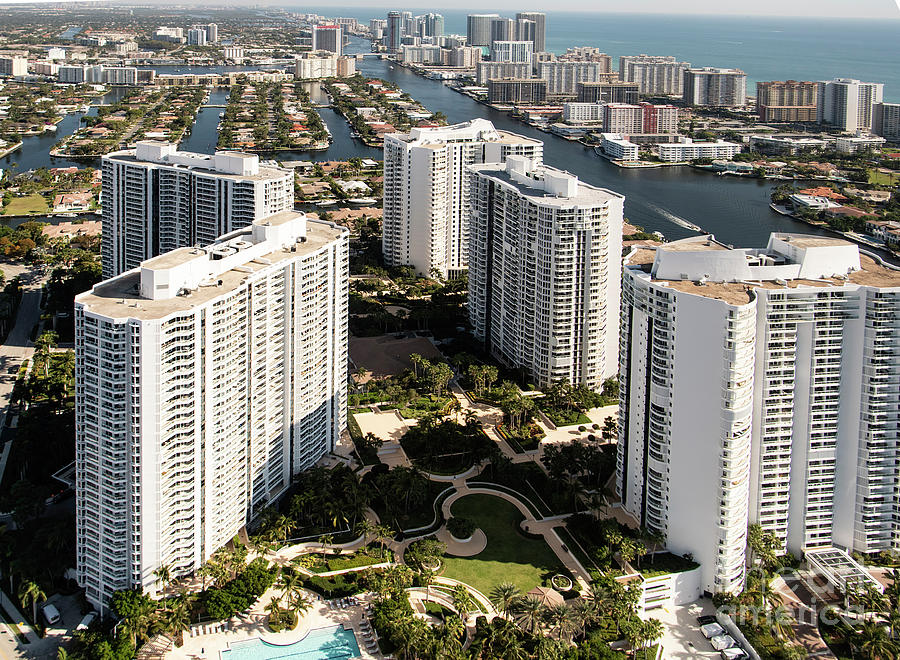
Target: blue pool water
335,643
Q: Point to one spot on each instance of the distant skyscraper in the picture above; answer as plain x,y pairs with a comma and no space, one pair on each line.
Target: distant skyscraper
847,104
329,38
759,386
156,199
205,380
525,30
212,33
426,204
408,22
478,29
544,271
787,101
519,52
377,27
196,37
540,28
654,74
886,121
563,77
502,29
715,87
394,31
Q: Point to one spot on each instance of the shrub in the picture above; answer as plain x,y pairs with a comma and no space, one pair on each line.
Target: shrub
241,592
461,528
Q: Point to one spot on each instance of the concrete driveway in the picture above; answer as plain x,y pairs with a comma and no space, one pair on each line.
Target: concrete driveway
682,638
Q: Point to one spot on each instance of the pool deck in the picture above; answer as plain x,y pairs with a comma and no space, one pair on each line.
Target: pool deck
253,624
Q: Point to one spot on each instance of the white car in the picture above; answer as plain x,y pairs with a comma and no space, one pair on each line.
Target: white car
723,642
711,630
734,653
86,621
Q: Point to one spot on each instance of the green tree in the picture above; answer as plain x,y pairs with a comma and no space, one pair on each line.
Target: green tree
31,592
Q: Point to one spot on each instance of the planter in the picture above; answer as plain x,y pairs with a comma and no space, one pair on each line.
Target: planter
561,582
465,540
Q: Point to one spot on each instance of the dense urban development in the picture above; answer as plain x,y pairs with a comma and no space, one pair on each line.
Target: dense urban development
299,361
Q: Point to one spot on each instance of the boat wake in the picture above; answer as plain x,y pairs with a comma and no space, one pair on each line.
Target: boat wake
674,219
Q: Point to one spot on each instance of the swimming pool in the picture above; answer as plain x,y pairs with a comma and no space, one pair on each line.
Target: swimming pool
334,643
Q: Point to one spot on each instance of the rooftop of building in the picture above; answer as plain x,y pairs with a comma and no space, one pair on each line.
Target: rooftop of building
545,185
191,277
474,130
226,164
706,267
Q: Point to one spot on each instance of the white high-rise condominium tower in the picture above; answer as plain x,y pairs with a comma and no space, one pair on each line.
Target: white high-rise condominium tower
544,271
540,28
478,29
760,386
156,199
715,87
654,74
426,201
848,104
204,380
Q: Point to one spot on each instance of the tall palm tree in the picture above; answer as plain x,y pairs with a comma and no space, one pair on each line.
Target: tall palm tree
274,609
651,629
584,613
382,533
463,601
290,583
326,540
62,654
505,596
30,591
873,642
561,619
530,614
163,576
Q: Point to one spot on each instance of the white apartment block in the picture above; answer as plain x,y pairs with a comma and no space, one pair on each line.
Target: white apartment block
848,104
715,87
426,196
562,77
518,52
329,38
205,379
687,149
617,147
13,65
315,65
759,386
654,74
156,199
233,53
196,37
421,54
486,71
852,145
886,121
544,271
582,113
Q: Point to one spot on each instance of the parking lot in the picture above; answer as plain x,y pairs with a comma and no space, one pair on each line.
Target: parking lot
682,637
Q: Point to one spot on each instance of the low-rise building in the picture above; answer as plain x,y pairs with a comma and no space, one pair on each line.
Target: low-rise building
617,147
687,149
852,145
785,144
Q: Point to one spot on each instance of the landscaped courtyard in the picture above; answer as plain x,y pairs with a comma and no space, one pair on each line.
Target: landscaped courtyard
510,556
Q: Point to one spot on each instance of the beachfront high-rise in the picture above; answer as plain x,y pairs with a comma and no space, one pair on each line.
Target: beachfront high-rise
654,74
205,379
156,199
478,29
848,104
715,87
540,28
544,271
759,386
787,101
426,199
329,38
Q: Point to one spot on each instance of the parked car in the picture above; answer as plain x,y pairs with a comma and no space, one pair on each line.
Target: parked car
722,642
86,621
711,630
733,653
51,613
706,618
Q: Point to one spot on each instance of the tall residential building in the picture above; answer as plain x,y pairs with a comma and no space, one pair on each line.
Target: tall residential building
886,121
478,29
544,268
377,28
465,56
759,386
204,379
654,74
196,37
426,199
725,88
156,199
629,119
563,77
847,104
394,32
486,71
787,101
212,33
517,90
606,92
502,29
525,30
329,38
540,28
518,52
13,65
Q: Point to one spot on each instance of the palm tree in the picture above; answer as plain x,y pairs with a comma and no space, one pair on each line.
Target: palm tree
651,629
873,642
31,591
290,584
584,613
62,654
463,601
561,619
530,614
505,596
163,576
781,623
274,609
382,533
300,603
364,528
326,540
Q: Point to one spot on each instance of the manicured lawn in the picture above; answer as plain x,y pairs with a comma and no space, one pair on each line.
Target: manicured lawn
29,204
509,556
882,178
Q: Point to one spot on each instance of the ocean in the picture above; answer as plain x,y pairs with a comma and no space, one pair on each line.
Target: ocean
766,48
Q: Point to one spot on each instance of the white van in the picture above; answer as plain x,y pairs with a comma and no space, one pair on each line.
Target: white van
51,613
86,621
